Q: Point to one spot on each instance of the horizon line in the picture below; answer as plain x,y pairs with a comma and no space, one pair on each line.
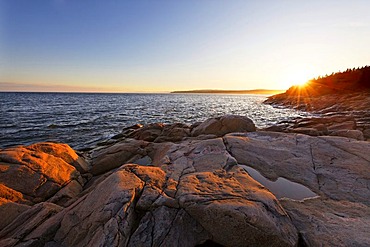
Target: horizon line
195,91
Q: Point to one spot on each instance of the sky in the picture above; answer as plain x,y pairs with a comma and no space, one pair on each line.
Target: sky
164,45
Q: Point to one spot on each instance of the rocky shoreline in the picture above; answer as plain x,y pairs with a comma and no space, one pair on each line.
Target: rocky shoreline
338,114
185,185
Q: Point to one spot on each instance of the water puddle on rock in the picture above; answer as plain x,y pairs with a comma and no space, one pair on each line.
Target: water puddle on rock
281,187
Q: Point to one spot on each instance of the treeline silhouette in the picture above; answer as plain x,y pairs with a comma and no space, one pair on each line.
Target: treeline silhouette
351,80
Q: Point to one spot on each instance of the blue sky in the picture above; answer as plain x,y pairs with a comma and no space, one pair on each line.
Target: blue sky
157,46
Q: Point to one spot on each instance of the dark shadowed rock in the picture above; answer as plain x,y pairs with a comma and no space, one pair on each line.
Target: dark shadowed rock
173,133
26,223
127,131
330,223
162,132
148,133
306,131
338,111
366,134
108,158
354,134
9,210
223,125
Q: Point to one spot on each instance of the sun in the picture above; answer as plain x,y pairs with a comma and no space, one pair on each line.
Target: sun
301,83
297,78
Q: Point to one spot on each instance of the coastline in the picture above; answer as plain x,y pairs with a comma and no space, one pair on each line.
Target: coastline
339,114
150,177
213,91
85,119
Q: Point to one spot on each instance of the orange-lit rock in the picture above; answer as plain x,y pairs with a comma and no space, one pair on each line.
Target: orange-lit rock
34,172
11,205
62,151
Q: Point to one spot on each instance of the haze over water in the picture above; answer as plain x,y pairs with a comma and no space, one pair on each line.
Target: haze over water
82,120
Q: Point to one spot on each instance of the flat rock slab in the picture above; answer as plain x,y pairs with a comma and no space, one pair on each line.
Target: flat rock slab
333,167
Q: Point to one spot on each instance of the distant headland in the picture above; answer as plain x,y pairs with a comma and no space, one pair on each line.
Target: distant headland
214,91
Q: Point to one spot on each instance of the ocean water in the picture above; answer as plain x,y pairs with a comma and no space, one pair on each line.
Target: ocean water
84,119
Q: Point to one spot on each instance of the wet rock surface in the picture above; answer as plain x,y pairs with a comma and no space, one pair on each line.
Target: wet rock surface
332,167
180,185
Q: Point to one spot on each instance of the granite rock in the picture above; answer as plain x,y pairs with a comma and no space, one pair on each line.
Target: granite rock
330,223
185,187
38,171
333,167
222,125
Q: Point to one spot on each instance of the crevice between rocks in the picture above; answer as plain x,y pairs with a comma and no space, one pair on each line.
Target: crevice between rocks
137,214
169,228
314,167
227,149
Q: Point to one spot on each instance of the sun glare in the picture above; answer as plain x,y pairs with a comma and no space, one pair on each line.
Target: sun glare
297,78
301,83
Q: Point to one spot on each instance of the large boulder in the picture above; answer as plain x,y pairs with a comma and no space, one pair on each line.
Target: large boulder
148,133
38,171
111,157
160,132
63,151
173,133
222,125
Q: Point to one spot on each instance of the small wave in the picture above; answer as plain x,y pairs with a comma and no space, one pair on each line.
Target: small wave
53,126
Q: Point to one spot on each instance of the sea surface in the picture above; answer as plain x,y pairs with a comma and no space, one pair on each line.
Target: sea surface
84,119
